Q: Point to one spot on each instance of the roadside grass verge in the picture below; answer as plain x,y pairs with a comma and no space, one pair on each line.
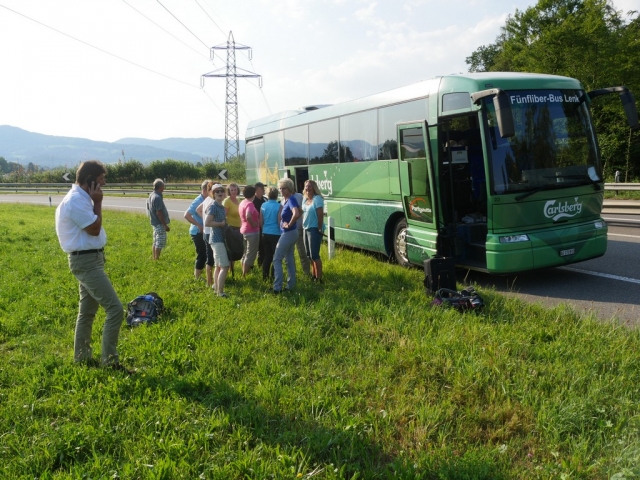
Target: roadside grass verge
358,378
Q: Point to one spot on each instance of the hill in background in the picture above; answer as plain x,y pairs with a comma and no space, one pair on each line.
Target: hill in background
17,145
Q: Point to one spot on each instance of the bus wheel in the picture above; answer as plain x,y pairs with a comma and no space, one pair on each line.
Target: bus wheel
400,243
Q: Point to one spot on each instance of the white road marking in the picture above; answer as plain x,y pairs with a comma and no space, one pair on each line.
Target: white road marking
622,235
613,219
603,275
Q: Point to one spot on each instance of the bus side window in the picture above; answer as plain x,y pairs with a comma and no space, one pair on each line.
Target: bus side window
412,144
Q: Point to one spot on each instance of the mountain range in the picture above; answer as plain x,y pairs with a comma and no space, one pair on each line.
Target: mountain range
17,145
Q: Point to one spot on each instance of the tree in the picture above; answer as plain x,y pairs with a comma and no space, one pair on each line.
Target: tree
330,154
236,169
130,171
483,58
585,39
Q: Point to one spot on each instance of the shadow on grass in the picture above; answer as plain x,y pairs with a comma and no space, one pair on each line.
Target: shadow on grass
347,449
350,451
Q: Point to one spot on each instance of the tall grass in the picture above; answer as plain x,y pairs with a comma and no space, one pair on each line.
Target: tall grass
358,378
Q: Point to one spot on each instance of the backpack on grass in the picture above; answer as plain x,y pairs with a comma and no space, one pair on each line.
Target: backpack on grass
467,299
144,309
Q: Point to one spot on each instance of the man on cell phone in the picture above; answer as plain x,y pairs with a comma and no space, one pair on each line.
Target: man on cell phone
159,218
81,236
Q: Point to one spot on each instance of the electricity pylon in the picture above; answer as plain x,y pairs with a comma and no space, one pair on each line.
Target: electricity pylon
231,134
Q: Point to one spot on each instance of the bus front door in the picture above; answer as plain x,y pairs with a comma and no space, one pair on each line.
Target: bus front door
416,235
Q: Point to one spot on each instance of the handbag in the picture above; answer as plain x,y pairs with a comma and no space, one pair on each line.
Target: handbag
234,243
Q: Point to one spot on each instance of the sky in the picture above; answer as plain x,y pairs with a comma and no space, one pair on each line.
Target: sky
111,69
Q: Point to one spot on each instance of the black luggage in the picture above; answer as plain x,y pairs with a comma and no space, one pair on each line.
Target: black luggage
439,273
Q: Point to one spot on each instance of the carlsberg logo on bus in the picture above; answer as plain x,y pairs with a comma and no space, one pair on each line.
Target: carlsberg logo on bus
557,210
325,185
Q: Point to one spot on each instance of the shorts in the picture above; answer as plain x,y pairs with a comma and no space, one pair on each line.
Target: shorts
159,236
220,254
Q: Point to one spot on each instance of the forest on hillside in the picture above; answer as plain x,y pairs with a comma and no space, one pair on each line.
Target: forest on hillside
133,171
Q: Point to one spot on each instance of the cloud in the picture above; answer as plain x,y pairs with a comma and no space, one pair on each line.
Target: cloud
366,14
283,9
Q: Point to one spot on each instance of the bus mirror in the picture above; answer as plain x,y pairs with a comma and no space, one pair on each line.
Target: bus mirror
628,102
502,105
504,115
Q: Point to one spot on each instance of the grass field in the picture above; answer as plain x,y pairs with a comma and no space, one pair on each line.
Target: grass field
358,378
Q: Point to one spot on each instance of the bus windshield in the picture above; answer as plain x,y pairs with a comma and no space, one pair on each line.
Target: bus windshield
553,146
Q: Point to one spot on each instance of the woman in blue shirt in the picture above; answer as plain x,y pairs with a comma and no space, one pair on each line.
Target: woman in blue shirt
288,235
269,212
197,227
312,222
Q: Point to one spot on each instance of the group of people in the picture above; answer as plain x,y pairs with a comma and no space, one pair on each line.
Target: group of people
271,229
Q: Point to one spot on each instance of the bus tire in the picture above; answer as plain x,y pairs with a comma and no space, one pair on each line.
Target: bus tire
400,243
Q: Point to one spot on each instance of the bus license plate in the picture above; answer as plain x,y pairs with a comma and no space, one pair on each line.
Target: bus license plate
568,251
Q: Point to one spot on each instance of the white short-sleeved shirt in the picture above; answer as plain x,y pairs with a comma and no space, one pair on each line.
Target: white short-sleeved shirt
73,215
205,206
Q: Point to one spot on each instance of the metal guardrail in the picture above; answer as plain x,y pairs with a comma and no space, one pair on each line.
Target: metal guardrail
120,188
626,207
623,187
629,207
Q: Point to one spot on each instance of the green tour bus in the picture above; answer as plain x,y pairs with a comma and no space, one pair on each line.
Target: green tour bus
499,171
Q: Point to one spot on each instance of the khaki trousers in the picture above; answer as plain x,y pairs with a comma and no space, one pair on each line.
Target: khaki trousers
302,254
95,290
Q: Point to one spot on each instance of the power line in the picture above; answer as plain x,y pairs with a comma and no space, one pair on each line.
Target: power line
218,26
170,13
99,49
212,20
265,101
178,20
164,30
115,56
209,97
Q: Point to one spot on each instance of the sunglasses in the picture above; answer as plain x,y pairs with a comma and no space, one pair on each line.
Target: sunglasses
218,191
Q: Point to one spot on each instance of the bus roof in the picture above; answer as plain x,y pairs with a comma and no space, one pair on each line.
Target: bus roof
470,82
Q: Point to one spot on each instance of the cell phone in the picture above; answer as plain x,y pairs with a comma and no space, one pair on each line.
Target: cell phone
90,180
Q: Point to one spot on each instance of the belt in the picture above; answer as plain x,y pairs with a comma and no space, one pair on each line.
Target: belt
84,252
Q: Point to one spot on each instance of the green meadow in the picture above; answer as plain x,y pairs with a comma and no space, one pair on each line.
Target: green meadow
358,378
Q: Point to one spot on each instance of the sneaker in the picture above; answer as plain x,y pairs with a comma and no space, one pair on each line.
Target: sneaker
277,292
223,295
118,367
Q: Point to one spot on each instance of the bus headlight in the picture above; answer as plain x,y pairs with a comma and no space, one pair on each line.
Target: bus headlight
514,239
599,224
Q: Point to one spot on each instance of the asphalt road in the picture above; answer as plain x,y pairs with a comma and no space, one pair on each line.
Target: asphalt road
608,286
